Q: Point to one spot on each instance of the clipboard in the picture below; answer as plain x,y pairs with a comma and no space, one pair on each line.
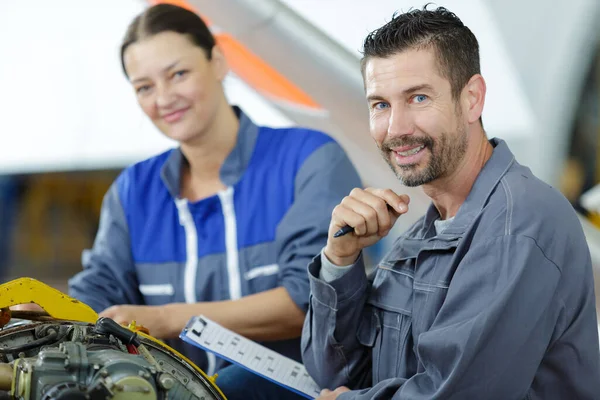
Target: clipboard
256,358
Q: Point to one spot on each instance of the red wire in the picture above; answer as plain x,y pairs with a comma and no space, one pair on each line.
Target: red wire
132,349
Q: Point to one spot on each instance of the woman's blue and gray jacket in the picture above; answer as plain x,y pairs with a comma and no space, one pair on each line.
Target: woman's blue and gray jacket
153,247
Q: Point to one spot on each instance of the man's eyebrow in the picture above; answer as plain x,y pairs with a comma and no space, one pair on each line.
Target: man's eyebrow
375,97
412,89
416,88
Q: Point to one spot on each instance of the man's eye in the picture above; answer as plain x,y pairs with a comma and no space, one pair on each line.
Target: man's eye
380,106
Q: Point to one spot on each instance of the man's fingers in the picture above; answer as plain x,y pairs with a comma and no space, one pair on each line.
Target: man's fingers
380,206
398,202
341,389
343,215
369,214
388,204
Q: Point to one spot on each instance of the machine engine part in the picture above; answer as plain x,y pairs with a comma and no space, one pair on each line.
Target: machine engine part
72,360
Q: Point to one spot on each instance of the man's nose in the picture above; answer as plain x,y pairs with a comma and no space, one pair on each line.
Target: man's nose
400,123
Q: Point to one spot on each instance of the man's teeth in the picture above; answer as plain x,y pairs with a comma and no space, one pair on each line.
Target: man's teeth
410,152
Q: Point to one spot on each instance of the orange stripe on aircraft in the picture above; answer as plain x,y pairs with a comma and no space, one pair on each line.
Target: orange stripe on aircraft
252,69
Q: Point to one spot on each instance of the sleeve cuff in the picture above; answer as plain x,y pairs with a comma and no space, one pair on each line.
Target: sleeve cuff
330,272
331,293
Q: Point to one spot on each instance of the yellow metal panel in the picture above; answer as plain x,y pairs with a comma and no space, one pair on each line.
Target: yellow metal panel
57,304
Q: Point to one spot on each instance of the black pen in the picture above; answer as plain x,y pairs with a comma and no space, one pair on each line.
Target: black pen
347,229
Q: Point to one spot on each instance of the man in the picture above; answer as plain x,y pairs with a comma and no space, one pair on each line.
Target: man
489,295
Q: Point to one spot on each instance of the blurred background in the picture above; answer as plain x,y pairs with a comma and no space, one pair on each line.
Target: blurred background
70,122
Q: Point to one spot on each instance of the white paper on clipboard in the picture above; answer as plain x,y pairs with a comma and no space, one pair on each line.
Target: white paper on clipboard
210,336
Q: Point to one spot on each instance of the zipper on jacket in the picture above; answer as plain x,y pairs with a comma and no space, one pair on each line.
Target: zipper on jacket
191,265
231,246
191,247
191,250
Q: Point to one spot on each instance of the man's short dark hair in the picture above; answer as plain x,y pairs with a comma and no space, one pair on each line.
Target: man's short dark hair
455,45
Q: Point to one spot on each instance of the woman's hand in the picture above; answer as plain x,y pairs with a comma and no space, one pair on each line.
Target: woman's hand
154,318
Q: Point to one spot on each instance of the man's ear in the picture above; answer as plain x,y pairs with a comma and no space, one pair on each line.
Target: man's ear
474,98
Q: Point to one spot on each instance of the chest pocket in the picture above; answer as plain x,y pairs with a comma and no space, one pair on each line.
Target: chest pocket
409,288
387,322
259,268
157,282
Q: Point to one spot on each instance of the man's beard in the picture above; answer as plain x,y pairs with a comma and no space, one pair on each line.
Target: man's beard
445,154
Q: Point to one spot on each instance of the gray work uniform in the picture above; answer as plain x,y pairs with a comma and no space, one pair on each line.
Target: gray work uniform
498,305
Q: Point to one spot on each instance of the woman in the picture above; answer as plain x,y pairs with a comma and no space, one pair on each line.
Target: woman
225,224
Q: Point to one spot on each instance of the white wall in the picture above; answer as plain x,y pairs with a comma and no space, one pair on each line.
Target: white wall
316,44
551,44
65,103
349,23
508,111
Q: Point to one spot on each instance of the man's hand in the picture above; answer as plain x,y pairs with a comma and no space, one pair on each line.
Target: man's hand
327,394
368,213
152,317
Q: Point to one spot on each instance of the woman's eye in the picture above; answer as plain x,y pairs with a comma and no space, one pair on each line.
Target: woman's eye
180,73
142,89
